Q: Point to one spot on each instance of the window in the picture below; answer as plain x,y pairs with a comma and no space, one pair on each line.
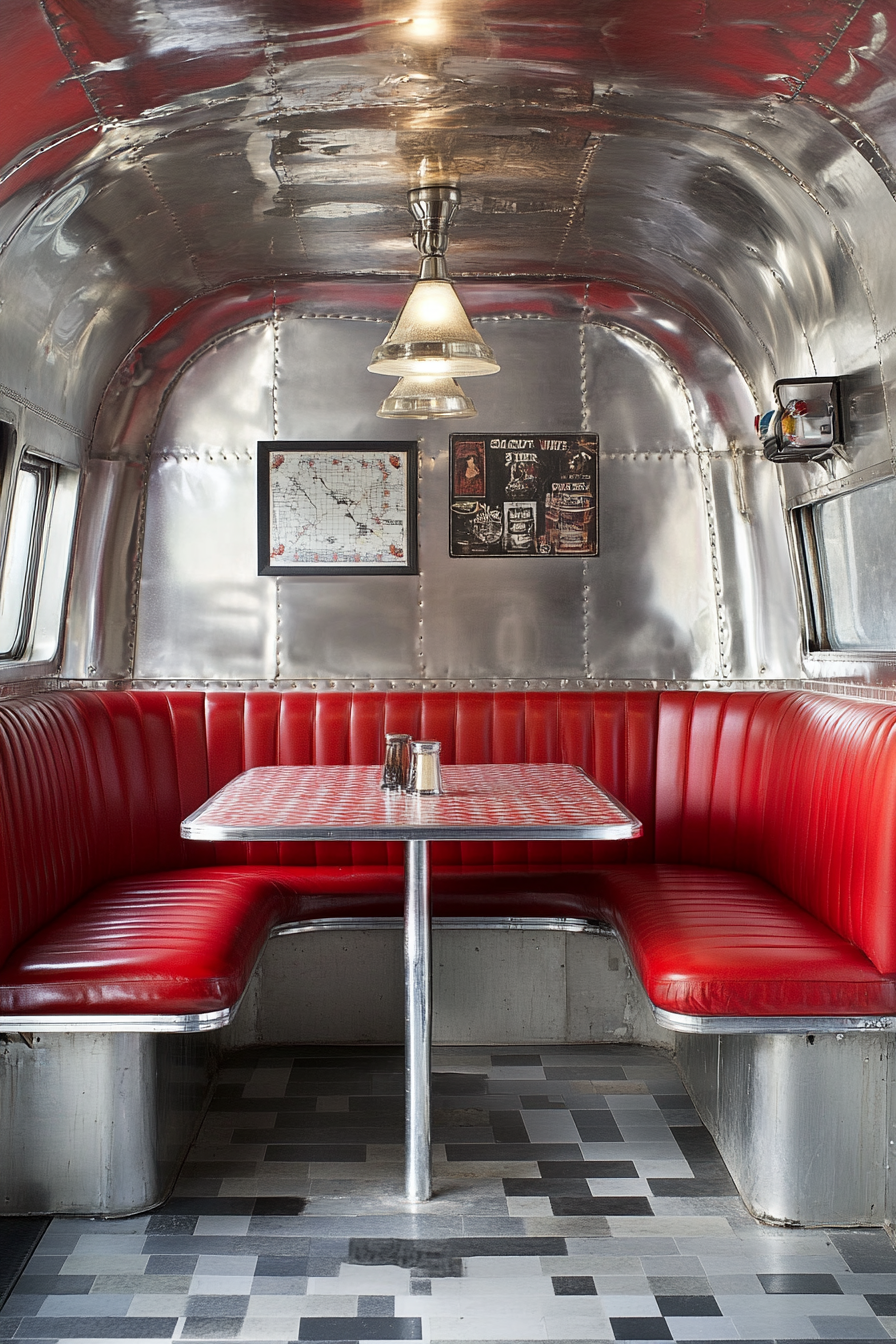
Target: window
31,489
848,544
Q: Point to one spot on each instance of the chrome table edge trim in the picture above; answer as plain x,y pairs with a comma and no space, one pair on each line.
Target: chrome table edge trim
194,829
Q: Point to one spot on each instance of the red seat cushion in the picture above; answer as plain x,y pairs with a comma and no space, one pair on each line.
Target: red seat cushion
175,942
707,941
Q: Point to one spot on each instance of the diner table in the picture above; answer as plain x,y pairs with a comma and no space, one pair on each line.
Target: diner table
481,802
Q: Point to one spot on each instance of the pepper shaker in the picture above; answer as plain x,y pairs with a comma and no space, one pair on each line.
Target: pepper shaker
396,766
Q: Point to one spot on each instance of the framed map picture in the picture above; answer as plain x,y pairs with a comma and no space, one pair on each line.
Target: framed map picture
337,508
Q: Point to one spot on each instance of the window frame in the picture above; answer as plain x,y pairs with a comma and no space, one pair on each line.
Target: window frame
809,566
44,470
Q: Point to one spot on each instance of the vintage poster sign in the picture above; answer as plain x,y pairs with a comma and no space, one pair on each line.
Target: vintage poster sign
337,508
518,494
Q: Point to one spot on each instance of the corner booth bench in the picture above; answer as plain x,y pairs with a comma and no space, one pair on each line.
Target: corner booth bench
757,910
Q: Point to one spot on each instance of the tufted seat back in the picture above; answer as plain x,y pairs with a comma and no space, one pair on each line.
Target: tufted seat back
796,788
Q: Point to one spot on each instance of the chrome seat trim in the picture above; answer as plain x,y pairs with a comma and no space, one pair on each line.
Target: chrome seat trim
140,1022
525,923
770,1026
221,1017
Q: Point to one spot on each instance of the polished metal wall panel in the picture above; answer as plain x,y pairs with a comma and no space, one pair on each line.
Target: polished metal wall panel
204,611
99,629
629,613
650,596
756,593
503,617
323,388
83,277
746,211
801,1121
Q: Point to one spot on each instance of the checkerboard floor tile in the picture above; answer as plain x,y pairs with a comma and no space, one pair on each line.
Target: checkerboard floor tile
577,1197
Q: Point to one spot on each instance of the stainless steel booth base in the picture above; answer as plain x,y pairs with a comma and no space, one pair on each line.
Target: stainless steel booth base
98,1123
801,1121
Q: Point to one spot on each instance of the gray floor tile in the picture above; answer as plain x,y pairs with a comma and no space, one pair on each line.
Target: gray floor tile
356,1252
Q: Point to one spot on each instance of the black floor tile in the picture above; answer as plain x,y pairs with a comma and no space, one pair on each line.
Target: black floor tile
316,1152
21,1303
639,1327
800,1283
517,1061
18,1240
98,1327
696,1143
321,1135
171,1264
44,1264
530,1186
601,1206
345,1328
866,1250
573,1285
387,1105
228,1091
508,1127
47,1285
584,1073
882,1304
441,1258
541,1103
217,1305
681,1305
212,1327
512,1152
221,1169
669,1187
222,1206
596,1127
300,1122
281,1267
252,1105
606,1170
173,1224
458,1084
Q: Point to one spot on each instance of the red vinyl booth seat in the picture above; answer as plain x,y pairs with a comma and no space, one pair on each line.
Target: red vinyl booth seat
763,884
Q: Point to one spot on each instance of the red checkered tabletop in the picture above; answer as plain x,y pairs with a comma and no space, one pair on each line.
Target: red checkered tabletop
488,802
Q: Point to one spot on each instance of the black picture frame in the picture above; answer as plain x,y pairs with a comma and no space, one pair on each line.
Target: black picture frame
376,504
523,495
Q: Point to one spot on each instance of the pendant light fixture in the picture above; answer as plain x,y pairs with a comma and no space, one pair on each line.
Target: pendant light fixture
431,342
426,398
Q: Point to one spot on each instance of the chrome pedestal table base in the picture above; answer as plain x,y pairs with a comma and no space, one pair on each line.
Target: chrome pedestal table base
481,802
417,1020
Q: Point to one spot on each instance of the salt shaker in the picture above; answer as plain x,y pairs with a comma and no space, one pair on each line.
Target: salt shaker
426,773
396,766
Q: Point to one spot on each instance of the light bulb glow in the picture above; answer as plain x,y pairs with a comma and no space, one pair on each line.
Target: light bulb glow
425,25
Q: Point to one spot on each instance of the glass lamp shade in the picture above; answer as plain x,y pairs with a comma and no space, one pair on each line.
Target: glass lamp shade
432,335
426,399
